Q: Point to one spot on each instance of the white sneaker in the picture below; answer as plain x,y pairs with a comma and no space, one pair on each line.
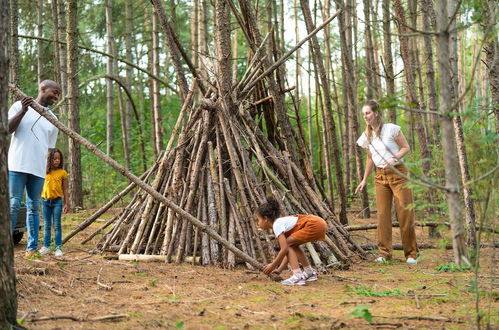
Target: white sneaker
58,253
412,261
44,250
293,280
380,260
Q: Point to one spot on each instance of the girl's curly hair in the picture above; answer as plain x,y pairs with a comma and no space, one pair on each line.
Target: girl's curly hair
269,209
50,160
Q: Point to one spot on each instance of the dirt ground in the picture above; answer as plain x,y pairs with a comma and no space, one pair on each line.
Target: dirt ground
87,286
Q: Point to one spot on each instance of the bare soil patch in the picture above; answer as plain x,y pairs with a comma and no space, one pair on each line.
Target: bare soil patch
86,286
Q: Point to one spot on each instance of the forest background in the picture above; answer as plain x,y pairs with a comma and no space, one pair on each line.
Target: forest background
129,30
125,73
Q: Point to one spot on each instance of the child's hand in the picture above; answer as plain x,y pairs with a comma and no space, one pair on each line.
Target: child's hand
276,271
65,208
268,269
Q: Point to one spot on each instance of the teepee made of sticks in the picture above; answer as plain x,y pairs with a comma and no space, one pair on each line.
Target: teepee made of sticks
227,153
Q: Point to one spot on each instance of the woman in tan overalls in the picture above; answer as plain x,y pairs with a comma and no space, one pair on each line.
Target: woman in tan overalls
386,145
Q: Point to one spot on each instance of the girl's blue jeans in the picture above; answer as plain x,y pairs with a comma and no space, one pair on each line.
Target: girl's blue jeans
52,210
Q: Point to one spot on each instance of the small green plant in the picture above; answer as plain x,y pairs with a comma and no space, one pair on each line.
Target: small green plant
452,267
152,282
362,312
179,324
133,314
174,299
363,291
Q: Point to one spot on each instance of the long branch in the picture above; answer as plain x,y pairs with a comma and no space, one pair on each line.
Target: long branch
17,93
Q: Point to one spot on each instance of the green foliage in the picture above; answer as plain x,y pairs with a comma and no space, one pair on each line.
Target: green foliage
134,314
362,312
452,267
179,324
361,290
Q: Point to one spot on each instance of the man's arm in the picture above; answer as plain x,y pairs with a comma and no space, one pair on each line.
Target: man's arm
16,120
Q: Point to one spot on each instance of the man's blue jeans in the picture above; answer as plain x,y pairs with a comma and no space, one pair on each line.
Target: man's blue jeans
33,184
52,210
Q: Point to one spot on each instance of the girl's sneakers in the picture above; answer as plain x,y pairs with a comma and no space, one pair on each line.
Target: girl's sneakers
58,252
313,276
44,250
412,261
293,280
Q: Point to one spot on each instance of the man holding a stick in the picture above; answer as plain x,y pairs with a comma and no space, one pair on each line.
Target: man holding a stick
32,136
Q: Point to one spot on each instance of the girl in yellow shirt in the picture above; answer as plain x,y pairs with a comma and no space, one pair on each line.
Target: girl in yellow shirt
55,189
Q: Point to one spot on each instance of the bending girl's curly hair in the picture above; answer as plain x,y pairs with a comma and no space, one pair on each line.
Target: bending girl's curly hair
269,209
50,160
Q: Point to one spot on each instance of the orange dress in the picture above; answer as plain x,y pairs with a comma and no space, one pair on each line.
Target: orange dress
308,228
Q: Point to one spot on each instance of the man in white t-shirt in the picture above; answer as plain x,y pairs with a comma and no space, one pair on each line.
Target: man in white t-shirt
32,136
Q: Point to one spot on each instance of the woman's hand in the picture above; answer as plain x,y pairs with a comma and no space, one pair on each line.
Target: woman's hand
267,269
392,161
360,187
65,208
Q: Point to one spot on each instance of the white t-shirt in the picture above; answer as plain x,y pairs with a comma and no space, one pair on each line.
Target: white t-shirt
30,142
284,224
382,148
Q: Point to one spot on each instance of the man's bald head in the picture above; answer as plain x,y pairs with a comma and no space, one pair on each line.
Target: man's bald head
48,84
49,92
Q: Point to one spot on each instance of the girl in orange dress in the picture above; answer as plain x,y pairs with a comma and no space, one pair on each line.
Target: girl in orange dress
291,232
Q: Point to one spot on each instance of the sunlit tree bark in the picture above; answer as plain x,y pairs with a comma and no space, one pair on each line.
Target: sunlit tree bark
8,294
74,157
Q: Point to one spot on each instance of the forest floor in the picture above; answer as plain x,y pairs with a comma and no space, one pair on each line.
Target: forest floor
85,286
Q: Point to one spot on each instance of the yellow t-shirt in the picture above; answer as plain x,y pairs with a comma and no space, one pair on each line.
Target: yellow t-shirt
52,188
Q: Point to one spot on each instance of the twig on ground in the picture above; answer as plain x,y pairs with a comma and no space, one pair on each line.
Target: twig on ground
53,289
102,285
32,271
77,319
417,301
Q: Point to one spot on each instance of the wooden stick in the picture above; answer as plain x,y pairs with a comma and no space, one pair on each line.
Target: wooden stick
419,224
77,319
102,285
53,289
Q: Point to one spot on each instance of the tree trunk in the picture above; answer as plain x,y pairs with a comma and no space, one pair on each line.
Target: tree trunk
39,44
74,157
109,82
459,135
448,140
60,8
128,81
328,109
156,106
14,42
371,90
8,294
388,60
491,49
428,13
